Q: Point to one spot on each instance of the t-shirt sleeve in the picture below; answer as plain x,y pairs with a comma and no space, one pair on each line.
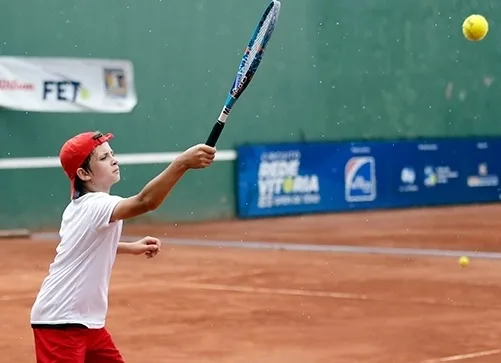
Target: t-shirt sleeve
101,208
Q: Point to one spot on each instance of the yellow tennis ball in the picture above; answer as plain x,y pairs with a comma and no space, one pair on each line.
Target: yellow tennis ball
464,261
475,27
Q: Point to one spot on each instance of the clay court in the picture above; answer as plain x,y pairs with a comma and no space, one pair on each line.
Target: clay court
279,290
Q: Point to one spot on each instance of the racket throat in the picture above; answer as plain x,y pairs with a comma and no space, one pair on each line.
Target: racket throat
228,105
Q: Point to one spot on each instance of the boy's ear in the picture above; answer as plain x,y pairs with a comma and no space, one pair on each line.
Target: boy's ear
83,175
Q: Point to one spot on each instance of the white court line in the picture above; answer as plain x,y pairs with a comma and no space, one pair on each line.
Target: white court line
454,358
312,293
201,279
266,290
281,291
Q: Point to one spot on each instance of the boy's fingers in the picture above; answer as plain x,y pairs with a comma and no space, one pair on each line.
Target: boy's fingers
207,149
151,240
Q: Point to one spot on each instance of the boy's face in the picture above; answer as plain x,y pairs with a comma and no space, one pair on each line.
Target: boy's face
104,170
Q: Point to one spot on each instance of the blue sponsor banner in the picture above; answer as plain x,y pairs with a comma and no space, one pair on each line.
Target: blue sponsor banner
281,179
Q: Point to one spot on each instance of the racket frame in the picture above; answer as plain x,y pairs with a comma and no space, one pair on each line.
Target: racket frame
242,80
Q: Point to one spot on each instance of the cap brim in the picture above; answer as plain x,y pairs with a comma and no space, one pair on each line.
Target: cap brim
107,137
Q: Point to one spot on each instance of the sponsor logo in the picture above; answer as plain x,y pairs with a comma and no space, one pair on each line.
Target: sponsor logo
64,91
115,82
408,180
438,175
13,85
360,179
282,183
483,178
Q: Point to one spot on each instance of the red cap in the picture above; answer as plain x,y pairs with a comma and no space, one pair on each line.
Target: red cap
77,149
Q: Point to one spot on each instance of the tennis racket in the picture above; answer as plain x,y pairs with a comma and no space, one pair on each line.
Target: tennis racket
248,66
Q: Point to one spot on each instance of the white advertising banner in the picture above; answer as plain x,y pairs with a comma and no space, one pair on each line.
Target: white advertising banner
67,85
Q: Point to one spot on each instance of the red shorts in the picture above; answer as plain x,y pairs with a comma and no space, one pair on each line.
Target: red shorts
75,345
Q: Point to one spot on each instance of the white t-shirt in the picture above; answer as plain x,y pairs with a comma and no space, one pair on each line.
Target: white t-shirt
76,288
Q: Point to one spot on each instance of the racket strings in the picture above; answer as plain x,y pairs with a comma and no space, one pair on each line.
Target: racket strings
258,43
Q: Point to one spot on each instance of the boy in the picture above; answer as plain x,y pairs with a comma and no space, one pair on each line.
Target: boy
68,316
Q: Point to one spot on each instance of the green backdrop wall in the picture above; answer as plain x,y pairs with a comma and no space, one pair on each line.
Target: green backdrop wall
335,70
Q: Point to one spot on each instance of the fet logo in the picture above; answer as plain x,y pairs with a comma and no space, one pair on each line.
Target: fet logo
61,90
7,85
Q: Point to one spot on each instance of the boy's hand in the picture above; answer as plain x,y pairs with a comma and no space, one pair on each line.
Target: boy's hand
197,157
149,246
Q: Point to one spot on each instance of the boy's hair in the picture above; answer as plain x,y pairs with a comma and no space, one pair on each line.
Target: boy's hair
79,184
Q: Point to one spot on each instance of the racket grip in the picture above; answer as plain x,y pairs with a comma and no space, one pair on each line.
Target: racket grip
214,134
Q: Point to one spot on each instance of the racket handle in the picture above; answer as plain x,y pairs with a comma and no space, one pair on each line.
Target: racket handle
214,134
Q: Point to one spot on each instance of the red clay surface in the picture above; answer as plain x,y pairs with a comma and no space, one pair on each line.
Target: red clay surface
196,305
